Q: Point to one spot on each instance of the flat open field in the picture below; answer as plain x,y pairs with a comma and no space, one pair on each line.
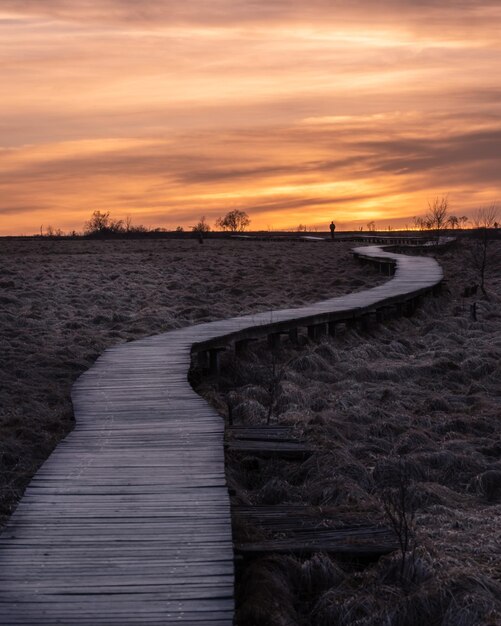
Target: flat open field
413,402
63,302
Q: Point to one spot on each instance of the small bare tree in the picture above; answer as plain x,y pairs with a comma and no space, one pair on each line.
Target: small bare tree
399,508
98,223
437,217
102,224
271,375
418,222
202,226
274,371
484,221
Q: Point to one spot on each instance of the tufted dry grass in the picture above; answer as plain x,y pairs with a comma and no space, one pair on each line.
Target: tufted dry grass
422,392
63,302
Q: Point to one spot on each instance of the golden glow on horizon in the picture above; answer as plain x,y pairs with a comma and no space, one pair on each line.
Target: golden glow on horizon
301,115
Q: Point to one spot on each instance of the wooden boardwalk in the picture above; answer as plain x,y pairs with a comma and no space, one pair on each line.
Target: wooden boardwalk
128,521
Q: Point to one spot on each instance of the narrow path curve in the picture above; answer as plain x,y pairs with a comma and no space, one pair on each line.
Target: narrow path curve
128,521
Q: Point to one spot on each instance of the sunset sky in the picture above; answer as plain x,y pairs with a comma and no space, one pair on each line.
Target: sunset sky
294,111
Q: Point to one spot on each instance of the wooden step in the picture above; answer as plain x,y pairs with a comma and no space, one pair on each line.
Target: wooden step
313,529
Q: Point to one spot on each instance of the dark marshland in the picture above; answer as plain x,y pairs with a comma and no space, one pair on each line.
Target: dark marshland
63,302
402,418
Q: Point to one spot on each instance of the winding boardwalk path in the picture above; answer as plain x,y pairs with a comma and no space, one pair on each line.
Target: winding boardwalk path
128,521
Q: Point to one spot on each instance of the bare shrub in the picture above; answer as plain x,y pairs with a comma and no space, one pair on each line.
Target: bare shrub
358,472
328,352
267,593
414,440
488,485
387,428
201,227
470,610
388,471
450,468
319,574
427,605
249,412
318,403
255,392
309,362
398,506
343,607
429,494
288,395
436,402
335,490
418,568
266,371
276,491
484,233
472,601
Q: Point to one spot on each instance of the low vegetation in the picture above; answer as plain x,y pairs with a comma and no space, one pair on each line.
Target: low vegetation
404,419
416,399
64,301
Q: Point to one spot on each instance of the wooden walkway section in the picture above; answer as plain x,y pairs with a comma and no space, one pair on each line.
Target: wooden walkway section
303,530
128,521
266,441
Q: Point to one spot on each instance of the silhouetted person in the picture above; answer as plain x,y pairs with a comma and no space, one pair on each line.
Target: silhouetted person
333,228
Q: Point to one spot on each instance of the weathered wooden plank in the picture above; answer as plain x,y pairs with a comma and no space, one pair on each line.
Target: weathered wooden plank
285,449
369,543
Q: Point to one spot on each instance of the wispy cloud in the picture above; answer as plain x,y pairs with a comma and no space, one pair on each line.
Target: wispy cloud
294,111
448,12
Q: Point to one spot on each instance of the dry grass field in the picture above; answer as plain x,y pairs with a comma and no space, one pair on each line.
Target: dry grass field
63,302
414,402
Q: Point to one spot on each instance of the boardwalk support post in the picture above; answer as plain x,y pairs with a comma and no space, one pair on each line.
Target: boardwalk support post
242,344
331,328
366,319
315,331
203,359
214,361
273,341
351,322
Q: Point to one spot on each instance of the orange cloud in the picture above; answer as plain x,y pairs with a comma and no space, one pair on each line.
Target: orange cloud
297,114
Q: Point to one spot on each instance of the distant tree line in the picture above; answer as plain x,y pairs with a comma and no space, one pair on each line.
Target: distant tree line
101,224
438,219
